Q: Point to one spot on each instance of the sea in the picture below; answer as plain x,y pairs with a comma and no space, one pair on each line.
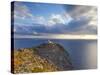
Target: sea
83,53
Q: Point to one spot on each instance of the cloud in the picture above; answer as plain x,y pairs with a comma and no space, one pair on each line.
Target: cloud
55,19
21,11
34,32
85,19
75,19
39,20
22,14
89,12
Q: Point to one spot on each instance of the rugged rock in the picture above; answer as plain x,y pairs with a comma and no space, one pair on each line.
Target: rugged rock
46,57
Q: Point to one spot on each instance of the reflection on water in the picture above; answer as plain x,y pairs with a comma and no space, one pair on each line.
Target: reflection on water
83,53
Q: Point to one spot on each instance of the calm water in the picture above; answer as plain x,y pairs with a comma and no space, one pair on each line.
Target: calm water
83,53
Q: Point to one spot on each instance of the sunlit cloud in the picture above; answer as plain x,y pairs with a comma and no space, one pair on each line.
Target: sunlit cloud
59,19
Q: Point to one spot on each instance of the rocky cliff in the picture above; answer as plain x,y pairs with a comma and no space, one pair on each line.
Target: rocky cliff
46,57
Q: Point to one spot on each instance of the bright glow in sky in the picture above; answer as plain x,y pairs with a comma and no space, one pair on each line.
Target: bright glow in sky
58,36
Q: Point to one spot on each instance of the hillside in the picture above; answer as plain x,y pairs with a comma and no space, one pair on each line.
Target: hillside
46,57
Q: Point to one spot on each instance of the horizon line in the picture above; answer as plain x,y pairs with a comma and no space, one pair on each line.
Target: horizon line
58,36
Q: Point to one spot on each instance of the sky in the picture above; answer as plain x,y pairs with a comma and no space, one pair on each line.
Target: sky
54,18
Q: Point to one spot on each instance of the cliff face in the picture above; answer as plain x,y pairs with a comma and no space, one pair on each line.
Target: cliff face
55,54
43,58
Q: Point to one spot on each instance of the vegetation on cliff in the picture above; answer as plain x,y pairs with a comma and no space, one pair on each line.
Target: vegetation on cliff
44,58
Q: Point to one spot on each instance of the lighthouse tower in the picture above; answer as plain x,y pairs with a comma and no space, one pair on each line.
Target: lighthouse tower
50,42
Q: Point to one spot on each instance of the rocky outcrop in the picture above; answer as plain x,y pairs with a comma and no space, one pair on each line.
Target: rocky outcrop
55,54
46,57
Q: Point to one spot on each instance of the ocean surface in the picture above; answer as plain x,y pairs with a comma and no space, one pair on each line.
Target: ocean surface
83,53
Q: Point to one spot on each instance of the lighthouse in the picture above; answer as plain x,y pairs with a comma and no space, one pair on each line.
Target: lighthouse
50,42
